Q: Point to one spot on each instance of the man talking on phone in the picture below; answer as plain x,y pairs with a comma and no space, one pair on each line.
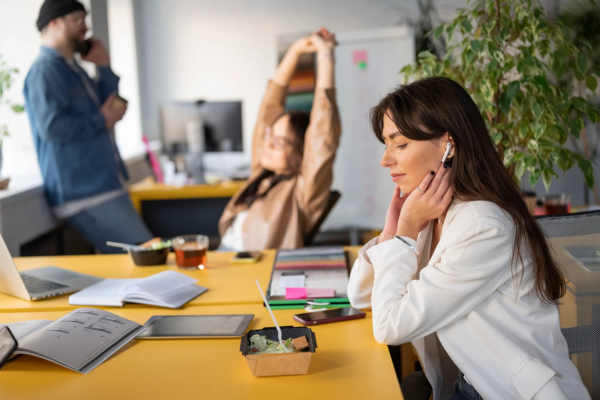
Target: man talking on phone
72,119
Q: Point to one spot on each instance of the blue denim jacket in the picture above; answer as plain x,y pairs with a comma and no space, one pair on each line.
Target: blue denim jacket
75,150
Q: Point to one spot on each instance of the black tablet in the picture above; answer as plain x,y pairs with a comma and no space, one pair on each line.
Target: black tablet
196,326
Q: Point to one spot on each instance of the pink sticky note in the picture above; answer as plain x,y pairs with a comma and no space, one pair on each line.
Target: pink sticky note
319,293
359,56
295,293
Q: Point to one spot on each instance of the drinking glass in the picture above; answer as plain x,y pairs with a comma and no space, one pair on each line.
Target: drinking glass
190,251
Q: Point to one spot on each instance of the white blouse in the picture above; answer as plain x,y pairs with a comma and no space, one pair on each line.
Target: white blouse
233,239
461,309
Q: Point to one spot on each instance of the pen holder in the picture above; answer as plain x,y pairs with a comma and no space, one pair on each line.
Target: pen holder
283,363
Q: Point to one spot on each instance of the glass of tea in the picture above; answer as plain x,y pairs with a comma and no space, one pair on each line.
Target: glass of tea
557,204
190,251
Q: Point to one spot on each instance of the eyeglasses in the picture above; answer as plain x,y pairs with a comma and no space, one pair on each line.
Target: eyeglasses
79,21
277,142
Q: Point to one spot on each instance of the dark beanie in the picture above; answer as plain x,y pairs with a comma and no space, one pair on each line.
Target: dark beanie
52,9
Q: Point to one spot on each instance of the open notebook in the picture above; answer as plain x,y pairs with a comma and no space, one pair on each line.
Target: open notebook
166,289
79,341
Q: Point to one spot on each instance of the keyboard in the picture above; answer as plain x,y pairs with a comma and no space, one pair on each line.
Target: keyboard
36,285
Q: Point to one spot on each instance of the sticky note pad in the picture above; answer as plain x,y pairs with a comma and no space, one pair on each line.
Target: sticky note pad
301,293
295,293
319,293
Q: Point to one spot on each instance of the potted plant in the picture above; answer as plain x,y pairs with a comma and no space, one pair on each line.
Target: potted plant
510,58
6,80
582,18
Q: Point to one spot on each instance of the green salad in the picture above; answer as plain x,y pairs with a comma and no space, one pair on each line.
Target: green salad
161,245
259,344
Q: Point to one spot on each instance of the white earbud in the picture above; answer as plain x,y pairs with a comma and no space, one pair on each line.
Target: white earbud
448,147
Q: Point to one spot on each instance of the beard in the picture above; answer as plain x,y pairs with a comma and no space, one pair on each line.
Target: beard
79,45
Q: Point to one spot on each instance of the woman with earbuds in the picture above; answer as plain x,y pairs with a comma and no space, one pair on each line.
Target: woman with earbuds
461,269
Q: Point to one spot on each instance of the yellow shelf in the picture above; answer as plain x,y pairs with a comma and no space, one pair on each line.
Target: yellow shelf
148,189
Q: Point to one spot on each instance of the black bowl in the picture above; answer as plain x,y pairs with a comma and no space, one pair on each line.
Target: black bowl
144,258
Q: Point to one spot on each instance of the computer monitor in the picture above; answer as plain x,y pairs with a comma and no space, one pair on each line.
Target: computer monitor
222,121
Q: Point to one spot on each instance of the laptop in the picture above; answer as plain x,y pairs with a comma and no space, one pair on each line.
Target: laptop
39,283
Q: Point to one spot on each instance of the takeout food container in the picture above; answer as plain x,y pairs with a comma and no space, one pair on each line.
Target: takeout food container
144,258
283,363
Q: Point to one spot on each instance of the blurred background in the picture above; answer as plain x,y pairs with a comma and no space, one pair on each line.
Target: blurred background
179,59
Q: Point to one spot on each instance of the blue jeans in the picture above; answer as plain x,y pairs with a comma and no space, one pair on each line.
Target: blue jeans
463,390
116,221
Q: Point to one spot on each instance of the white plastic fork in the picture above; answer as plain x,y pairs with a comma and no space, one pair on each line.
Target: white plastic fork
272,317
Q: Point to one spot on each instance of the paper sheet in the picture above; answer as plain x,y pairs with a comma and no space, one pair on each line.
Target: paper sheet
290,280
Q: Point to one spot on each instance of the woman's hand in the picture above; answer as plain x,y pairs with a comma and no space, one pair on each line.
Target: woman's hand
323,40
420,208
303,45
392,216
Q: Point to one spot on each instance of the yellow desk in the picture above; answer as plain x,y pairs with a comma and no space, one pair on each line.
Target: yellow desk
148,189
348,364
227,283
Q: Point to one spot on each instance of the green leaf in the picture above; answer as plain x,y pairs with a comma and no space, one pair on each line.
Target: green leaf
470,56
539,130
506,98
536,109
523,131
586,167
17,108
476,45
579,103
439,68
591,83
547,178
534,177
541,81
582,63
467,25
496,137
438,32
575,131
450,32
519,169
425,54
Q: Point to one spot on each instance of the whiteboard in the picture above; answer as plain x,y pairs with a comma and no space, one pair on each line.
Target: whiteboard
366,187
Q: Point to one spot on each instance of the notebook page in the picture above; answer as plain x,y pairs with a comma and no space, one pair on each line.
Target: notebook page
164,282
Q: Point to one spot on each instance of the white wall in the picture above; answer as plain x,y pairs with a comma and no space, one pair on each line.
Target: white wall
226,49
19,45
123,60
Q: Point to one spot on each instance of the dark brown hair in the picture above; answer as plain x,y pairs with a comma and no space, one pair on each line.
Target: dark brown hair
298,124
426,110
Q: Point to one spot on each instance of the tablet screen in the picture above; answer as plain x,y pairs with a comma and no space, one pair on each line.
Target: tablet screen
180,326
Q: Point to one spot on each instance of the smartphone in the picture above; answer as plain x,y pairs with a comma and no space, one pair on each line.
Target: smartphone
333,315
87,46
246,257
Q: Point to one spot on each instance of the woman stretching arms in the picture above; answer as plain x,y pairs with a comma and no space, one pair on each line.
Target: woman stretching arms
292,160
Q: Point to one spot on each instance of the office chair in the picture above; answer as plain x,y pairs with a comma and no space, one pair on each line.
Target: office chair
309,238
575,242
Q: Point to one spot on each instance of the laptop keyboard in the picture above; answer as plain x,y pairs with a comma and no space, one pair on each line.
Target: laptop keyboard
36,285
